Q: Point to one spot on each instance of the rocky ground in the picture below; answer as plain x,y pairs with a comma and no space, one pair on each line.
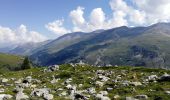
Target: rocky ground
84,82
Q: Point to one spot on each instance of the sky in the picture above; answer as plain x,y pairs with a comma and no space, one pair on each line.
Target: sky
23,21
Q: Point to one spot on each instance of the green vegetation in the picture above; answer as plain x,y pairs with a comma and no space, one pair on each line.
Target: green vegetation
10,62
85,75
26,64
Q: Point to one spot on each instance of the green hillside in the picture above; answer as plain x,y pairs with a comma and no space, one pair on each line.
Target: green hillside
8,61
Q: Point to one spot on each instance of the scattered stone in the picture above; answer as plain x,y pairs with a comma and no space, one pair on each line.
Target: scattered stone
109,89
91,90
5,96
165,77
64,93
48,96
2,90
143,97
4,80
40,92
136,83
130,98
152,78
116,97
167,92
53,68
99,83
101,97
21,96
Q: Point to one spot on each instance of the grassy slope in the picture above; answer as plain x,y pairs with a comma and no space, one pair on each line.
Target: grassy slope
80,76
9,60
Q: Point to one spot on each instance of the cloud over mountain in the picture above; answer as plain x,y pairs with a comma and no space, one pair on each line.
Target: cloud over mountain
20,35
124,13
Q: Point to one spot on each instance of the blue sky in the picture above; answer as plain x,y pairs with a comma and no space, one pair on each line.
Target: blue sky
36,13
23,21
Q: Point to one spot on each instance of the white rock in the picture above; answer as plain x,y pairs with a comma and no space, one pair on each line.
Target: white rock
2,90
143,97
167,92
21,96
48,96
136,83
4,80
63,93
99,83
5,96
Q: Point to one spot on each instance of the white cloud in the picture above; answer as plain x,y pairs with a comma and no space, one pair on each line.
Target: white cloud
77,16
156,10
134,13
57,27
117,20
19,36
97,18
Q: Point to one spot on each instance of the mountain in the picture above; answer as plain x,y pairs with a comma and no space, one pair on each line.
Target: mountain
8,61
27,48
134,46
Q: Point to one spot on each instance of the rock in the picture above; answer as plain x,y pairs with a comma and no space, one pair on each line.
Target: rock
91,90
109,89
54,81
2,90
19,81
104,93
68,81
4,80
101,97
99,83
53,68
21,96
152,78
29,79
64,93
130,98
165,77
167,92
116,97
40,92
48,96
5,96
60,89
78,96
80,85
143,97
18,89
125,83
136,83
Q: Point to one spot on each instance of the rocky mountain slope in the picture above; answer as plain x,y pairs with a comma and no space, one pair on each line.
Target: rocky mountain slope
137,46
79,81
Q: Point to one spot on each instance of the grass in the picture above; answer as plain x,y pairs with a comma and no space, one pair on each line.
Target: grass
84,74
8,61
